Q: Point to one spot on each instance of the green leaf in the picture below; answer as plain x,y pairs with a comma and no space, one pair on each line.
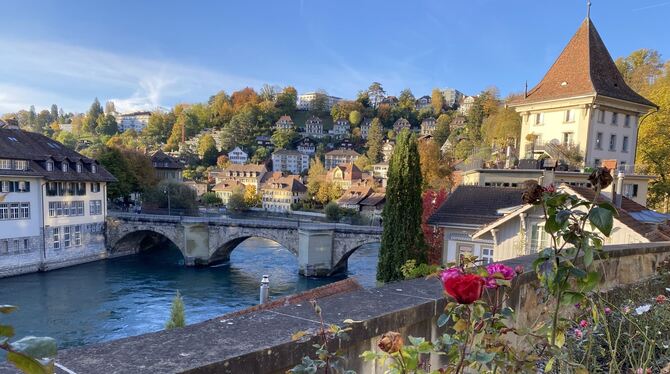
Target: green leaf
26,363
551,226
6,330
588,256
602,219
6,309
36,346
609,206
368,356
560,338
484,357
415,340
442,320
549,365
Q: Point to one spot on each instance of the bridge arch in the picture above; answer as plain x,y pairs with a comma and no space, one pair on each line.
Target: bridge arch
138,240
226,245
342,263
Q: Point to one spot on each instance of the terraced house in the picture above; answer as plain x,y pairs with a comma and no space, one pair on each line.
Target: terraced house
52,204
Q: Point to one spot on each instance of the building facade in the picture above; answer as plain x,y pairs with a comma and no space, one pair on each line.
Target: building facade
284,123
428,126
53,204
401,124
288,160
306,146
136,121
238,156
280,192
583,101
341,128
305,100
247,174
452,96
314,127
166,167
340,156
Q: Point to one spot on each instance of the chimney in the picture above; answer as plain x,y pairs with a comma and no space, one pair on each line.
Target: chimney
618,191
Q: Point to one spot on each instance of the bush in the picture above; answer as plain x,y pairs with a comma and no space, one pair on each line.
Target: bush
181,197
410,270
176,314
236,202
332,211
210,199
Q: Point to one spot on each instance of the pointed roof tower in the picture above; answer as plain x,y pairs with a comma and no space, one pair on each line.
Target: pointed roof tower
584,68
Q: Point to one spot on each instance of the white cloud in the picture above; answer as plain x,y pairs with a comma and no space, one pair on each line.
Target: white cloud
42,73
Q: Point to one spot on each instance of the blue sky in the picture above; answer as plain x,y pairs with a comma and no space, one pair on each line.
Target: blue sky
147,53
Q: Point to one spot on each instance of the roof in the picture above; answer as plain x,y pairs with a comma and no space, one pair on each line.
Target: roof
285,118
585,67
374,199
475,205
160,160
354,195
637,217
38,149
287,183
227,185
350,172
260,168
342,152
287,152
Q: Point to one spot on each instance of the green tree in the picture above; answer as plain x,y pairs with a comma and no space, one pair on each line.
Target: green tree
402,238
181,197
283,139
92,115
210,199
502,128
363,163
68,139
442,130
437,101
177,318
205,143
641,69
375,94
375,141
236,201
109,107
332,211
319,106
287,100
106,125
355,117
260,155
315,175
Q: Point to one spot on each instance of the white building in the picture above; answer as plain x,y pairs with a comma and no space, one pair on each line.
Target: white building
238,156
278,193
401,124
365,128
342,127
583,101
289,160
306,146
423,101
305,100
284,123
136,121
314,127
340,156
466,104
53,204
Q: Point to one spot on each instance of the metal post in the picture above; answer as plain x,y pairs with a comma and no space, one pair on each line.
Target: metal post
265,289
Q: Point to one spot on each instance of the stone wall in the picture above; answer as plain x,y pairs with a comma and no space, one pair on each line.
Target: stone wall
259,341
21,260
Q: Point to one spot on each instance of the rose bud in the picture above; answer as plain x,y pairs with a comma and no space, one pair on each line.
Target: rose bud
391,342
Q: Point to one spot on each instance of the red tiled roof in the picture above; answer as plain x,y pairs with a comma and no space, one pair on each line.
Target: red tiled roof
585,67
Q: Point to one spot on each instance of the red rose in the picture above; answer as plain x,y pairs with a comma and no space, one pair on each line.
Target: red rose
465,288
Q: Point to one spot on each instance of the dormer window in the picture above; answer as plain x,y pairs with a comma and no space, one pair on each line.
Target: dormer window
64,167
5,164
50,166
78,167
94,168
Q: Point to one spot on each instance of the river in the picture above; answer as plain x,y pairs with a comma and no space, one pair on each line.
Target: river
131,295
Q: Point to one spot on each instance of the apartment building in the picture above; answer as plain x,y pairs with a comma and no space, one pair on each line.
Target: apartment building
289,160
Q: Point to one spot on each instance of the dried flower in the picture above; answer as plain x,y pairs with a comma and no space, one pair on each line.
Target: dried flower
660,299
391,342
533,192
583,324
600,178
498,271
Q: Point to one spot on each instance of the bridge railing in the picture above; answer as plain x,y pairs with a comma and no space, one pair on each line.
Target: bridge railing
288,224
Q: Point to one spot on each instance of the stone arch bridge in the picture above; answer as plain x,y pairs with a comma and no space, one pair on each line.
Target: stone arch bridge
322,248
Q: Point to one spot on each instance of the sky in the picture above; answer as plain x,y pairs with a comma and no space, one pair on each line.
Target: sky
145,54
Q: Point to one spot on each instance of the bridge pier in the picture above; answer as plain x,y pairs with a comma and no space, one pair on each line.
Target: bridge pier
315,252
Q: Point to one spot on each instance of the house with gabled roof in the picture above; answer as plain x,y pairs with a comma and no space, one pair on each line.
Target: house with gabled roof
284,123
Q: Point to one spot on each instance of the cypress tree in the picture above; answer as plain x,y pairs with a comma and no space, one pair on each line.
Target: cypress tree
402,239
176,314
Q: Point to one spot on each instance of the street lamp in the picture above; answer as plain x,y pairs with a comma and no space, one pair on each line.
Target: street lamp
166,191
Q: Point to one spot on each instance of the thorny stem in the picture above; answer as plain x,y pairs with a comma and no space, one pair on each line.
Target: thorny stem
461,361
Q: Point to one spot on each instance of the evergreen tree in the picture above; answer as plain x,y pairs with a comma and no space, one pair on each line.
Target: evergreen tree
374,142
402,239
176,314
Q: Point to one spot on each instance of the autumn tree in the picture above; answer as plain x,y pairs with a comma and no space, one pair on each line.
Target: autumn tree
283,139
437,101
287,100
243,97
435,169
442,129
502,128
641,69
434,235
355,117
